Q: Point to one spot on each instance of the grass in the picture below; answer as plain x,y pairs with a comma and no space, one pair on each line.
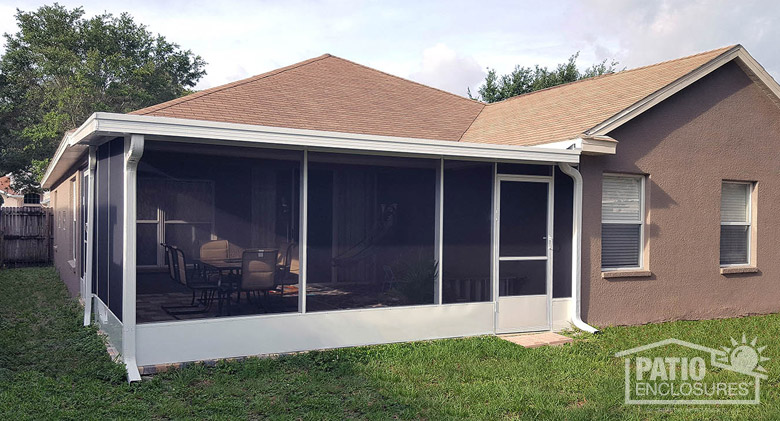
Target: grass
51,367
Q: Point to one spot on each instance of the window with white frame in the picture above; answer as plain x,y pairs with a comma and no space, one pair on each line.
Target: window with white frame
735,222
622,221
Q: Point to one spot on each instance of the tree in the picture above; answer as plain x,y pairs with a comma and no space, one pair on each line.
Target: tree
60,67
523,80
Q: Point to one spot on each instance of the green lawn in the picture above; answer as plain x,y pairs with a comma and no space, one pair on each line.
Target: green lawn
51,367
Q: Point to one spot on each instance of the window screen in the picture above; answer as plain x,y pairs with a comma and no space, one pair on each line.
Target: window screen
622,210
735,224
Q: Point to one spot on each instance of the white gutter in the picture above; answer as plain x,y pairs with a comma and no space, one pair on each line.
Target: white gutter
100,127
576,251
134,148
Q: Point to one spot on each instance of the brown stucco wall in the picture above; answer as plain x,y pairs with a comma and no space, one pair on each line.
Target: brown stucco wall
62,206
722,127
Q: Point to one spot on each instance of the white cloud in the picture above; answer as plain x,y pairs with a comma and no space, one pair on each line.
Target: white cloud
445,69
641,33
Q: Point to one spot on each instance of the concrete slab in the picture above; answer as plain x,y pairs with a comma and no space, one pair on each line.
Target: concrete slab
534,340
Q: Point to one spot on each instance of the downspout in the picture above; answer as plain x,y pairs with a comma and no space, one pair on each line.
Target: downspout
90,235
134,148
576,250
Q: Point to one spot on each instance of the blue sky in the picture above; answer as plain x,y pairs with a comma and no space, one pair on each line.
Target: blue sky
446,44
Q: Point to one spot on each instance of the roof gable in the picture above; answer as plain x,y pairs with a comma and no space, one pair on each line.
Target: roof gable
582,108
330,94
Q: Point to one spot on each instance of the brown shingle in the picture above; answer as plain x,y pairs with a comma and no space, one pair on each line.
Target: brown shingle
567,111
333,94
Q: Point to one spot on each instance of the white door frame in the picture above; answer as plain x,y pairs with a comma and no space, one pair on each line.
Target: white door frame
549,180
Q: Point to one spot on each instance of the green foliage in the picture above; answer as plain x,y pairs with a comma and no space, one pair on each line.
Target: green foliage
415,279
60,67
523,80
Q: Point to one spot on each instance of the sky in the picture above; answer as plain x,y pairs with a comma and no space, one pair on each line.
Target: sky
445,44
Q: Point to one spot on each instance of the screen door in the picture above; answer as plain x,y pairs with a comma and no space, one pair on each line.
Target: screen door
523,258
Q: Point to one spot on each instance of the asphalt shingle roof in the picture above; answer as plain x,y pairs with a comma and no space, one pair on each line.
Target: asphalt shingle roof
332,94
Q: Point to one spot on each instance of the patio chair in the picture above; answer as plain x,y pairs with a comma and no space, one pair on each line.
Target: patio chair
177,265
211,250
258,272
214,250
289,267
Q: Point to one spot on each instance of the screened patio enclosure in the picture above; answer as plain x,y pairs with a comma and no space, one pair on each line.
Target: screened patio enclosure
205,248
371,238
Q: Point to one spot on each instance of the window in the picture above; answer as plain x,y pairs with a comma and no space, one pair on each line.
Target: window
735,221
32,199
622,221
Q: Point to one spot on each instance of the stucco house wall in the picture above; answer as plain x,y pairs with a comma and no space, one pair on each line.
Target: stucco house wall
62,199
723,127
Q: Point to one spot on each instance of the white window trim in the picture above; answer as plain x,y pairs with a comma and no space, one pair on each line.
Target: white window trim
641,222
748,223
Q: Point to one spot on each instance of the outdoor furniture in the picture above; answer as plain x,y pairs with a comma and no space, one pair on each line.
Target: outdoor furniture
289,267
214,250
258,272
177,267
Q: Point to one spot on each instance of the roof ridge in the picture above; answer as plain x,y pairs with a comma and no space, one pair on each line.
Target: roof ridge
209,91
724,49
409,80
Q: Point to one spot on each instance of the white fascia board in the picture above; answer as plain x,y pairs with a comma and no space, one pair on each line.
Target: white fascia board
68,153
100,127
738,52
108,124
571,144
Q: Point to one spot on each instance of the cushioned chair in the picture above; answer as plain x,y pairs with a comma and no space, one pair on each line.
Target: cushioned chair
215,250
258,272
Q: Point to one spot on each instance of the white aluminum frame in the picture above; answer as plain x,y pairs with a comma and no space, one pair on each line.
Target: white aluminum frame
497,258
749,216
89,272
438,248
641,223
177,341
303,233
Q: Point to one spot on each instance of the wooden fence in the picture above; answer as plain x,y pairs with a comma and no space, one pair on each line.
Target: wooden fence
26,236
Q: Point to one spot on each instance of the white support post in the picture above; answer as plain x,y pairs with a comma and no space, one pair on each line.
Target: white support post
134,148
90,249
438,232
494,245
302,232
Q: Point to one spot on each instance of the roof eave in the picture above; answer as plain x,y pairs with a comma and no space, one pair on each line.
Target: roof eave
100,127
738,53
